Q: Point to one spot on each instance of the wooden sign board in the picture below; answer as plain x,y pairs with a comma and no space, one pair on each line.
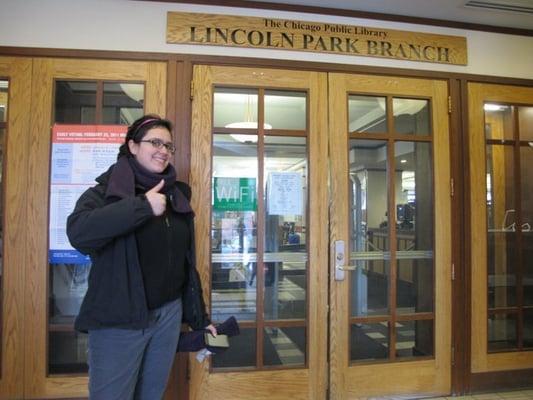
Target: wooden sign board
288,34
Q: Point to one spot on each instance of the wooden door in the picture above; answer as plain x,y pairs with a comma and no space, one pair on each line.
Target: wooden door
15,95
501,234
262,254
390,271
75,79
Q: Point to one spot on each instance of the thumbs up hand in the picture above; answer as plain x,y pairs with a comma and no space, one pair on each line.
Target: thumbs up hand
158,201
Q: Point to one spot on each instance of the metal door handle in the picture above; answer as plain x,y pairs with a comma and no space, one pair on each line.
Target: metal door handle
340,258
347,267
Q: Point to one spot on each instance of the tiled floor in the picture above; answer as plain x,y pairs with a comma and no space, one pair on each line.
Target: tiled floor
511,395
514,395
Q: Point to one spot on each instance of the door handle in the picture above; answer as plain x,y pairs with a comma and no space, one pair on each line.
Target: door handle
340,257
347,267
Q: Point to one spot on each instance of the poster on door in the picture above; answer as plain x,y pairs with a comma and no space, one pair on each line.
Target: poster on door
80,153
284,193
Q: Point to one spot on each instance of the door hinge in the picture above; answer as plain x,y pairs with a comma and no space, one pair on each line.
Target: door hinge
453,271
192,90
452,187
453,355
449,104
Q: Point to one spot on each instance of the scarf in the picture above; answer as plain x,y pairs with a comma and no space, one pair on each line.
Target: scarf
127,174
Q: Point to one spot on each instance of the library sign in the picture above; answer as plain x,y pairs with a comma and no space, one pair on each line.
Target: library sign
288,34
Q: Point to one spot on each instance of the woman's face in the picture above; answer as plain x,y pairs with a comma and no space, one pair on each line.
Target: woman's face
153,159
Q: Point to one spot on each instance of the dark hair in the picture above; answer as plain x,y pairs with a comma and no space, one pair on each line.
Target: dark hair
138,129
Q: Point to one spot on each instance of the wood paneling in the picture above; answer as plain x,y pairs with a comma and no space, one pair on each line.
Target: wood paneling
307,383
15,232
478,94
36,383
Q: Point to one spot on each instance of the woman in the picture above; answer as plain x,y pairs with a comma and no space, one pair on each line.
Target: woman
137,226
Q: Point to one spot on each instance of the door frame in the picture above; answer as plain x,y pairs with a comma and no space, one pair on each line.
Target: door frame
486,370
15,182
347,379
37,383
296,383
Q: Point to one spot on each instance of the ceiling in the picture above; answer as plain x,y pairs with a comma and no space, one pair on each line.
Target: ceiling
515,14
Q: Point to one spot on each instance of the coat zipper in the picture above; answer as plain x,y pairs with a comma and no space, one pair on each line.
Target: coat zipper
169,250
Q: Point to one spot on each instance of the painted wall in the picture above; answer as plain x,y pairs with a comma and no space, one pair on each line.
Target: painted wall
123,25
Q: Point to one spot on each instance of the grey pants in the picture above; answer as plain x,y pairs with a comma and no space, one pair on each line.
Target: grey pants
134,364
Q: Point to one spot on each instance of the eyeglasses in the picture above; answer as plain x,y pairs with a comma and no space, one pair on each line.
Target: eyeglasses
158,144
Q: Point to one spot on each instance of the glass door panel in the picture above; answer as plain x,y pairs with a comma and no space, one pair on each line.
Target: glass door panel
285,110
367,113
259,251
406,317
234,228
370,239
285,244
509,217
526,201
76,104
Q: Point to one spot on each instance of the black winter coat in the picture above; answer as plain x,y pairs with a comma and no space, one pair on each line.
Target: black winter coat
104,228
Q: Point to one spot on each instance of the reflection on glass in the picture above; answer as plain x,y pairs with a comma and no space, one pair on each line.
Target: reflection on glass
285,110
370,287
414,338
235,108
369,341
498,122
241,351
526,190
502,332
285,227
414,226
68,285
414,292
411,116
123,103
67,349
233,229
75,102
67,352
369,243
367,114
284,346
501,223
525,123
4,85
528,328
414,197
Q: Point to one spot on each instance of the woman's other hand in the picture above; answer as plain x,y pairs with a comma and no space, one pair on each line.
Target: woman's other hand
211,328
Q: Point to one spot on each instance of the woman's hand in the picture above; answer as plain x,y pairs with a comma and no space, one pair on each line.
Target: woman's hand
158,201
211,328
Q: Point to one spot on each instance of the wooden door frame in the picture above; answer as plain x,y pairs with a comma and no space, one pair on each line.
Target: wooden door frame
339,86
275,384
15,182
485,371
45,71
